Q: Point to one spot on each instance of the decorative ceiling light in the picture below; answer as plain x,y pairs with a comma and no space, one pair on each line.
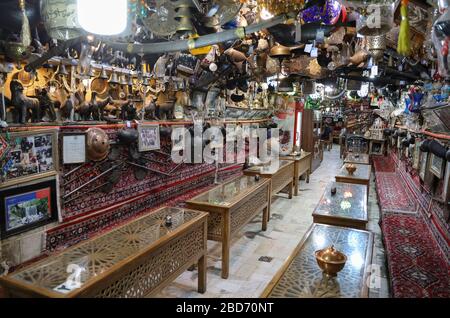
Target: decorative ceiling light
276,7
103,17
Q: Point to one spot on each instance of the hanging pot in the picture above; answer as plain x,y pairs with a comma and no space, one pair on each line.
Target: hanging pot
128,136
425,146
60,19
437,149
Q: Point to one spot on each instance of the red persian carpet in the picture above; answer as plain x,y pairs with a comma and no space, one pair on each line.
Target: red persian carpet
383,164
417,267
393,194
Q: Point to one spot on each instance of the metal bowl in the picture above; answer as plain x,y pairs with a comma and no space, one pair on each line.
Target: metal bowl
351,168
330,260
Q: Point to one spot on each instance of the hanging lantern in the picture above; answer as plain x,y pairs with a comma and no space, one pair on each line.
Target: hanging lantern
376,45
60,19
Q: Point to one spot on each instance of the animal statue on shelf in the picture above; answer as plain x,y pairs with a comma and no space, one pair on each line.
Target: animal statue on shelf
97,107
23,105
128,111
150,111
67,109
46,104
165,106
83,108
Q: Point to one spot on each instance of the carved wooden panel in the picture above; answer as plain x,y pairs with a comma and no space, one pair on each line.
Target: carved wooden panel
157,267
215,226
249,209
282,178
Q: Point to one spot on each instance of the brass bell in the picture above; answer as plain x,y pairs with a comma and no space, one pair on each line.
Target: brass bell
130,81
91,72
185,25
62,70
114,78
103,74
183,13
123,80
280,52
184,4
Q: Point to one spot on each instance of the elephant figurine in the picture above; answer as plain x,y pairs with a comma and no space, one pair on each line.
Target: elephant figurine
24,104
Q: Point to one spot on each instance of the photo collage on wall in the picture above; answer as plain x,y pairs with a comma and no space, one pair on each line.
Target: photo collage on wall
28,156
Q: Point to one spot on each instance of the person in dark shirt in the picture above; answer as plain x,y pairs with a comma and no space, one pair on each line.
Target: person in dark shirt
326,132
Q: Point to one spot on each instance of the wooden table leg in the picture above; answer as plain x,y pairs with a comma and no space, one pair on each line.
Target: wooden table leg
307,176
270,202
265,218
226,247
202,265
291,190
296,179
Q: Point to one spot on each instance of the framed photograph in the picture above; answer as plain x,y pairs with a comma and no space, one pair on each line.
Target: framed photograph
437,166
423,165
27,207
376,147
74,148
416,156
445,190
33,154
148,137
4,147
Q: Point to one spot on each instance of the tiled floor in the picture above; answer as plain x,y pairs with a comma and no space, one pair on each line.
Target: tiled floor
256,256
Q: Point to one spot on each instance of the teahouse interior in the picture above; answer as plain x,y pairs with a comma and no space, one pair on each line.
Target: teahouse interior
225,148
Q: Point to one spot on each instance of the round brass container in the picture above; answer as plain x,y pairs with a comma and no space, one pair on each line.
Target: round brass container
351,168
97,144
330,260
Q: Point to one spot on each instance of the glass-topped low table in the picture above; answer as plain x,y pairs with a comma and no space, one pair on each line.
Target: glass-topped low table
280,177
358,158
302,166
301,276
360,176
231,206
135,260
347,207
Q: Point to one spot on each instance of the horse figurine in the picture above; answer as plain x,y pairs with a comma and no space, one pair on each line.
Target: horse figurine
24,104
46,104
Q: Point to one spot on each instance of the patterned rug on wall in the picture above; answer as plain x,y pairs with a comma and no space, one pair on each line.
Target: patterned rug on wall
383,164
393,194
416,264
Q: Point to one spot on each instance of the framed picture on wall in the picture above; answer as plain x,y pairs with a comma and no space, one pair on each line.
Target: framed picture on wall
33,154
27,207
423,165
436,166
148,137
445,190
74,148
